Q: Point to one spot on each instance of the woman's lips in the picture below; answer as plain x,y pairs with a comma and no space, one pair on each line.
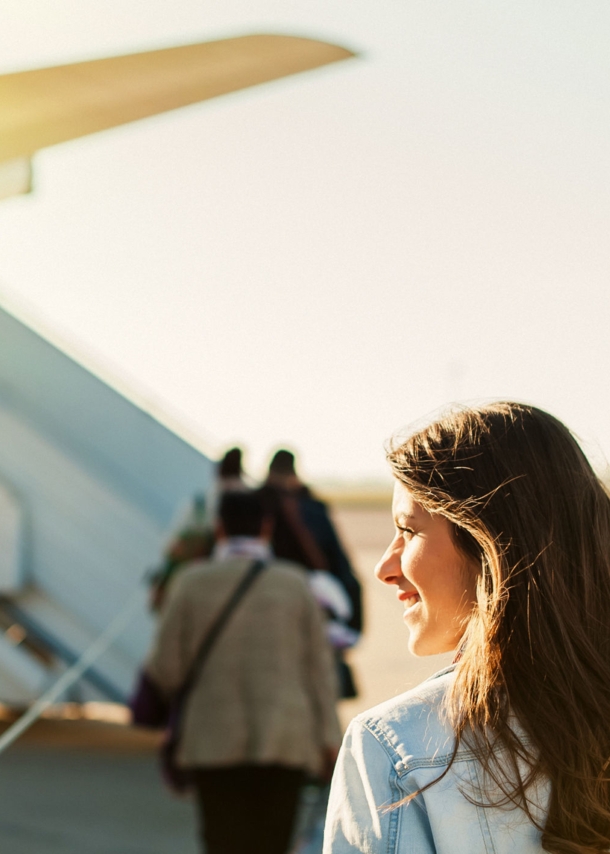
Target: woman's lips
409,599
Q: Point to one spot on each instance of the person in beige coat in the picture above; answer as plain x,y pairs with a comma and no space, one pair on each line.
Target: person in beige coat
262,713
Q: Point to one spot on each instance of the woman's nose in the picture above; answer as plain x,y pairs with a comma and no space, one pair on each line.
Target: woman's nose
388,569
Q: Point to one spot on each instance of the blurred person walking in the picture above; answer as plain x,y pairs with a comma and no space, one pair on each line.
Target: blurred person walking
303,532
260,715
231,477
194,537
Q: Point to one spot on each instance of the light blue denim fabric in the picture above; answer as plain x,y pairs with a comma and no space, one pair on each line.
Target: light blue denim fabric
392,751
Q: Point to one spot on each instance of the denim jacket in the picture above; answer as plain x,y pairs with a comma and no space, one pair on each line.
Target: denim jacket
398,748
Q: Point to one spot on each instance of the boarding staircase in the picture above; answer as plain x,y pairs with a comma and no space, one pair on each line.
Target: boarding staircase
90,481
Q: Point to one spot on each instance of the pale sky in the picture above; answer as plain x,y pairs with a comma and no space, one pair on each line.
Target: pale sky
322,260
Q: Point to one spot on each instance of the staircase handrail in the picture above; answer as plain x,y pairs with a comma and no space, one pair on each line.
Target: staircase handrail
74,673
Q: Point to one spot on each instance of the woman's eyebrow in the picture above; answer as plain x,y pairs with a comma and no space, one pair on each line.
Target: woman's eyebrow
404,517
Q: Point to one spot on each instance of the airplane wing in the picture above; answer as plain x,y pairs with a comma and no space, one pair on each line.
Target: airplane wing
47,106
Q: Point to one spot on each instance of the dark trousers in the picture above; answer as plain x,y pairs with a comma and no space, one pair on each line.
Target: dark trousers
247,809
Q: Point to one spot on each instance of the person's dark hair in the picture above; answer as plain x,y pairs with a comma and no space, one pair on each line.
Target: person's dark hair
230,465
527,506
241,514
282,463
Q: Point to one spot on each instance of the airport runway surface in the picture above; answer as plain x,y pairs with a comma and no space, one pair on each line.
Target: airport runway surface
85,801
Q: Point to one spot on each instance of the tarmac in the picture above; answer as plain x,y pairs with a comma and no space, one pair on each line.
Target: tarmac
73,787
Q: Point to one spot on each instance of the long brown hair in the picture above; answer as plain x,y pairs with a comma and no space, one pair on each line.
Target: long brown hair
527,506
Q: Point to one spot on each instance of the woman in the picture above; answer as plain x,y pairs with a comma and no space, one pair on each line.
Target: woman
501,553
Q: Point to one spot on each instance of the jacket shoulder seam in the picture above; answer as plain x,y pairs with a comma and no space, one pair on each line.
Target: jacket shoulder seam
404,765
381,736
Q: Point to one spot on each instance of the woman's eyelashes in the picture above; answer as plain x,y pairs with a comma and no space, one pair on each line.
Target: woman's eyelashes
403,530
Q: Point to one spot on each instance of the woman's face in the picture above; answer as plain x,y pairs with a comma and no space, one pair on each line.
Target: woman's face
433,578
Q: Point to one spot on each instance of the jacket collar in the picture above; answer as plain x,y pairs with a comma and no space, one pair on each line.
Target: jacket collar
252,547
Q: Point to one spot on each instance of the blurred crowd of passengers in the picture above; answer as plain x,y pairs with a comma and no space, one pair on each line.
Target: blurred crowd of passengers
302,532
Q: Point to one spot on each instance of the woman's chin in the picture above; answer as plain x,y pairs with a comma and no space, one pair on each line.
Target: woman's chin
418,647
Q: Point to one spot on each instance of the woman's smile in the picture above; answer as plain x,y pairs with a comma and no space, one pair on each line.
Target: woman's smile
410,599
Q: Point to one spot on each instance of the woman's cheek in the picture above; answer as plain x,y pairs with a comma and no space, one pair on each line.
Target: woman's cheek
414,567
